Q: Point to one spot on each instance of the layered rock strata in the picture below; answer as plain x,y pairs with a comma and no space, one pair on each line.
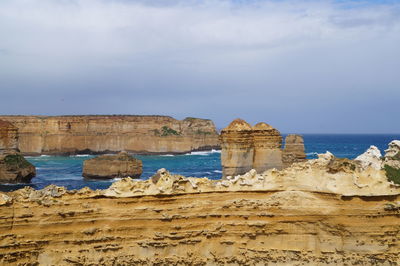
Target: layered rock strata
244,147
294,150
112,166
326,211
237,148
8,136
103,134
14,168
267,143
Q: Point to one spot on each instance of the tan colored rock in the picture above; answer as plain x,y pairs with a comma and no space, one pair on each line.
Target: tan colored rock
14,168
8,136
112,133
267,143
294,150
237,148
326,211
112,166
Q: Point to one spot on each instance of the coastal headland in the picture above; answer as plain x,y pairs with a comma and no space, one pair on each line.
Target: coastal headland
96,134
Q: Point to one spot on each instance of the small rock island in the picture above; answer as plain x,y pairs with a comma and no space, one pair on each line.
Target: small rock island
112,166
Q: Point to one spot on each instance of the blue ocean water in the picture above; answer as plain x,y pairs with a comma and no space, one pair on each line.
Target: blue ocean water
67,171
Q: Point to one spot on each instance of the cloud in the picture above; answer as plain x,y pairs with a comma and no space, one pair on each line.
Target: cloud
301,65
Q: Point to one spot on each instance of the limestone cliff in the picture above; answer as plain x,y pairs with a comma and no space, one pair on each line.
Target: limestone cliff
326,211
99,134
8,136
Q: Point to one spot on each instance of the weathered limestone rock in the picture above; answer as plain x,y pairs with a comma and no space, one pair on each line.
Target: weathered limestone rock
15,169
371,158
294,150
237,148
267,147
392,154
112,133
8,136
391,162
112,166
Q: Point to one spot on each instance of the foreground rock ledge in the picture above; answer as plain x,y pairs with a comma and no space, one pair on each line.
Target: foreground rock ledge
326,211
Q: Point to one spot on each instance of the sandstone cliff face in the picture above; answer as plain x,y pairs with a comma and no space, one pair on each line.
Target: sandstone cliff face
99,134
324,211
8,136
112,166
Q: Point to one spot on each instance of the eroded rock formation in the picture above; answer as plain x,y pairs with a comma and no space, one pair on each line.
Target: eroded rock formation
325,211
112,166
237,148
294,150
8,136
102,134
14,168
267,143
259,147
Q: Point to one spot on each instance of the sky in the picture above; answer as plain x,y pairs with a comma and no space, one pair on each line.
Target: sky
302,66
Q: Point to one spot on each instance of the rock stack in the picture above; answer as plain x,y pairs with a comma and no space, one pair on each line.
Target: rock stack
267,147
13,166
294,150
237,148
259,147
112,166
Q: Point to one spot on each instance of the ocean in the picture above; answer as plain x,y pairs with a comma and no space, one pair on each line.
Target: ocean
67,170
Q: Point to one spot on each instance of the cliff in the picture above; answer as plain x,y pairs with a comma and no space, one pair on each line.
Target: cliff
100,134
8,136
326,211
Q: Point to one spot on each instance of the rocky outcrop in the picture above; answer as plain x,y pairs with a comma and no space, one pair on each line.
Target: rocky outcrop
8,136
237,148
325,211
267,143
294,150
105,134
391,162
112,166
371,158
15,169
259,147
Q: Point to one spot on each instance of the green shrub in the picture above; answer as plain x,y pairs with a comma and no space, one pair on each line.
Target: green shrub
392,174
166,131
16,160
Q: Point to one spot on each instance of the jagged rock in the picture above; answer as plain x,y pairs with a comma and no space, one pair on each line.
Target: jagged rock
371,158
294,150
14,168
112,166
237,148
267,143
392,154
8,136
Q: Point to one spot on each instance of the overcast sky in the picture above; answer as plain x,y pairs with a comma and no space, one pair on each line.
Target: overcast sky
302,66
